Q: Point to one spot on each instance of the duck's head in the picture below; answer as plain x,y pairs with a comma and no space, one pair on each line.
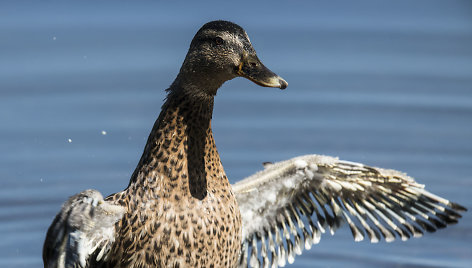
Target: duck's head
221,51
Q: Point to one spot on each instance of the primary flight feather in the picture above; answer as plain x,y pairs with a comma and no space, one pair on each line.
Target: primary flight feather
179,209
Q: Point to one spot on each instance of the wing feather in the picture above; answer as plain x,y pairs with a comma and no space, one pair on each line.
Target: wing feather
287,206
84,226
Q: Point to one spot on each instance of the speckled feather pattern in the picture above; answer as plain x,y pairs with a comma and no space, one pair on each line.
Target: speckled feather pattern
179,208
181,211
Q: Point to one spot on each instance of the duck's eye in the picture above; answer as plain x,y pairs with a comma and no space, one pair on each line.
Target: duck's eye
218,40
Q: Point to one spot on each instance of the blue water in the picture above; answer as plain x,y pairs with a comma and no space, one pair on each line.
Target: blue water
387,83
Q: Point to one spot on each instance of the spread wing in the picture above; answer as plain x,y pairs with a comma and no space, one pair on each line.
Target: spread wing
84,226
287,206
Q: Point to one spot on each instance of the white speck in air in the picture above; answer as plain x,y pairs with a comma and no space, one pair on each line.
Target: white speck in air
104,132
69,140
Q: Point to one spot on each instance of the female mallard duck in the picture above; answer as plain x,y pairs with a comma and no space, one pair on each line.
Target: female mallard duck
179,209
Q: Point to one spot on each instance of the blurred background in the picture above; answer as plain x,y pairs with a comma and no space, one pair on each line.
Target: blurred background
385,83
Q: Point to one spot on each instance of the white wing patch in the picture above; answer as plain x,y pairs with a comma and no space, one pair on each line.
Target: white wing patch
84,225
287,206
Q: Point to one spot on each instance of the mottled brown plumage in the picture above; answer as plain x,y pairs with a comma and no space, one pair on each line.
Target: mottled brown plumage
180,207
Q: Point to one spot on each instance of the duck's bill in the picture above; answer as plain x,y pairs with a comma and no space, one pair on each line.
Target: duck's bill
253,69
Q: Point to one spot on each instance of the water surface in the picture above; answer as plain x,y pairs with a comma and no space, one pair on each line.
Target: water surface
383,83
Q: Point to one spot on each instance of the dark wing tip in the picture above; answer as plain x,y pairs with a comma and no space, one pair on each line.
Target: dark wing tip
457,207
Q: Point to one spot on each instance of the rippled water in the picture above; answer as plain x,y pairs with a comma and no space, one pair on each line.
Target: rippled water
384,83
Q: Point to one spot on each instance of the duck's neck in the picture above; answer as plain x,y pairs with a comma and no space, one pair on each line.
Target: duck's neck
180,154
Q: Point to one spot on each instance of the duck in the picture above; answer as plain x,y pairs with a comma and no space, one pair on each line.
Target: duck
179,209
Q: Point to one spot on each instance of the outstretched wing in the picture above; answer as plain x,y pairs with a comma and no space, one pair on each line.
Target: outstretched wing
85,225
278,207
